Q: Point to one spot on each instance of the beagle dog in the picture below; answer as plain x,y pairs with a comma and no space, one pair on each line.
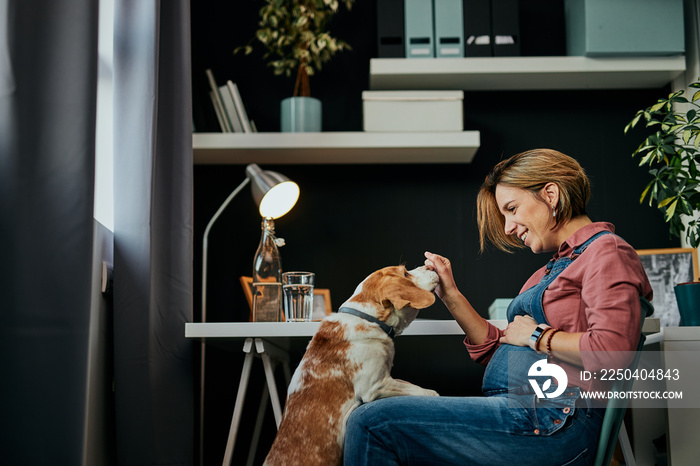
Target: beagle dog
348,363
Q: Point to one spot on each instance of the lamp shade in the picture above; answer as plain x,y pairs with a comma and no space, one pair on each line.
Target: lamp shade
274,193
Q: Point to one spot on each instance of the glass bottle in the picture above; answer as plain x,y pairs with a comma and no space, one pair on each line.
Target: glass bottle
267,276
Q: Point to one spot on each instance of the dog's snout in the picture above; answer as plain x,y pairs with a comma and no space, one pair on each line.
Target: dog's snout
425,278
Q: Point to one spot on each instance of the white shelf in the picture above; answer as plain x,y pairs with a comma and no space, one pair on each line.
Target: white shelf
335,148
524,73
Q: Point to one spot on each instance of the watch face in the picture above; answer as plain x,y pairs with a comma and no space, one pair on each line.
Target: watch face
536,334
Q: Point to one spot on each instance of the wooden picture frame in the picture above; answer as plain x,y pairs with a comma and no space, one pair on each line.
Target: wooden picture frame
322,304
666,268
322,299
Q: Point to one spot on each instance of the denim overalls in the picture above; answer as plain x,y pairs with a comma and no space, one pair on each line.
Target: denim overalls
507,371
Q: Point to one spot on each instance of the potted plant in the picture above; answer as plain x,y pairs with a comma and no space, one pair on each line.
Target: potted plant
296,40
672,153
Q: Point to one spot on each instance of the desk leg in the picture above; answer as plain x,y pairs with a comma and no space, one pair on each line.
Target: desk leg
270,354
287,373
272,388
258,427
238,407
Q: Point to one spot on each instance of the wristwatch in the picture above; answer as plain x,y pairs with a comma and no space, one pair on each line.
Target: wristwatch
536,335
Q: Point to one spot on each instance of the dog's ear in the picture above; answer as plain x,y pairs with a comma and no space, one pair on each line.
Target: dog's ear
402,295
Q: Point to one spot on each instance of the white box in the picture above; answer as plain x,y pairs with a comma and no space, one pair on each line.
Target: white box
413,110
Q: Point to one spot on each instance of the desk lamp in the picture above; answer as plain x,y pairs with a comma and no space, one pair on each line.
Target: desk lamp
275,195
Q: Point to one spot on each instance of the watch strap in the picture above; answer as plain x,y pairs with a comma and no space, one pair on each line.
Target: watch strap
537,336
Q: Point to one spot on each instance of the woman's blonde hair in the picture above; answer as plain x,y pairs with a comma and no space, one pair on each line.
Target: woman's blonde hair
531,170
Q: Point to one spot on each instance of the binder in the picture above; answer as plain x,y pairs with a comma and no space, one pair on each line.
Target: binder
505,28
542,28
449,28
477,28
390,29
418,18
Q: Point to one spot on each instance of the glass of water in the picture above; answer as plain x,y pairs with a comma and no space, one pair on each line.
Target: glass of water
298,290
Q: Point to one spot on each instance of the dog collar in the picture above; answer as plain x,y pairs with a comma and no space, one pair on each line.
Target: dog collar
389,330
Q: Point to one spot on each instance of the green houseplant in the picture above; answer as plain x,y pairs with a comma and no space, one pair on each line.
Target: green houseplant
294,34
672,154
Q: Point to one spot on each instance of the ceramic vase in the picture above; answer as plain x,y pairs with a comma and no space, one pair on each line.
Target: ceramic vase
300,115
688,299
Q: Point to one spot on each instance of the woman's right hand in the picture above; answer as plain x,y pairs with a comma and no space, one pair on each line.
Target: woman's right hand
475,327
443,268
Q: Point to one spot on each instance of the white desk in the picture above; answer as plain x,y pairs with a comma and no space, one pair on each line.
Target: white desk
286,331
233,331
273,341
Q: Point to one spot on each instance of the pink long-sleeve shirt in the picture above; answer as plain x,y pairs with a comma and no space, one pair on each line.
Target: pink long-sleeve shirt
598,294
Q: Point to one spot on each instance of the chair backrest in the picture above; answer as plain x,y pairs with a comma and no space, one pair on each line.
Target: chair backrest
615,409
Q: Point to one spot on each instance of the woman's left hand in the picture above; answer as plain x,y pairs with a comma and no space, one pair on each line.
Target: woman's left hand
518,332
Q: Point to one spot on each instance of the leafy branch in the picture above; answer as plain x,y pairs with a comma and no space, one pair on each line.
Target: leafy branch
672,155
295,37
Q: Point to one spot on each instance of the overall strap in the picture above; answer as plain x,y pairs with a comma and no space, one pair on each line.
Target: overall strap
529,302
577,251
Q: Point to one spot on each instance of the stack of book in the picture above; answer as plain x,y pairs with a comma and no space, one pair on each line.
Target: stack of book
228,106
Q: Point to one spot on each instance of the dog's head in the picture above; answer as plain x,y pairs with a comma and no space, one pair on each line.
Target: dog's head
394,294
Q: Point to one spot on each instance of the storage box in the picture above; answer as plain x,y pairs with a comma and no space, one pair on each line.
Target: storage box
498,308
413,110
624,27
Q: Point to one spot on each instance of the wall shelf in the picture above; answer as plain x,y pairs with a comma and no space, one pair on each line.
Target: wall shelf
335,148
524,73
476,74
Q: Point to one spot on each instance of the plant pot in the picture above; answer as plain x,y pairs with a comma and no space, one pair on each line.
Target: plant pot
688,299
300,115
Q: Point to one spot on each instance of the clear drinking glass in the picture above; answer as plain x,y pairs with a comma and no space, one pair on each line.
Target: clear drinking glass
298,290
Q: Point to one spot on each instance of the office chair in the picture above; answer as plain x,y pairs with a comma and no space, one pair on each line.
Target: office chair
613,425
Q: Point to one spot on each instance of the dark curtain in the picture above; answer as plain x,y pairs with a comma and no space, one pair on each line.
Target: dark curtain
153,232
48,79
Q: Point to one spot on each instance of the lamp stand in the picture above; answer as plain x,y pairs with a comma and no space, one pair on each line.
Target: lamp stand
205,254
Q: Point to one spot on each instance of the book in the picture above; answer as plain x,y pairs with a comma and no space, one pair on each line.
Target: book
217,110
230,107
240,109
218,104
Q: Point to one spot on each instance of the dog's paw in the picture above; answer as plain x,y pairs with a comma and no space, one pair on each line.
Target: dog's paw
428,392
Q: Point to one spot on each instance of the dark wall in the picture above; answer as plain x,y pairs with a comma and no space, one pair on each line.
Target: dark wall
353,219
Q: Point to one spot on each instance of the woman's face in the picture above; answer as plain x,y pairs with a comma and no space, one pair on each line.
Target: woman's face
529,218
